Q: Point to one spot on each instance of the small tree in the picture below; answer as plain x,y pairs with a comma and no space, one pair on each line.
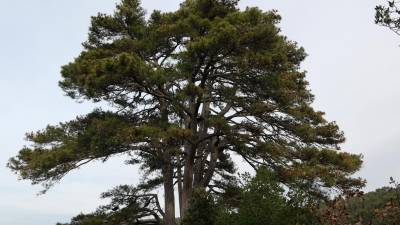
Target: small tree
189,89
262,200
203,209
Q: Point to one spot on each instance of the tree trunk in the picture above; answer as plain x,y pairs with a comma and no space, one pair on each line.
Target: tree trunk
168,172
187,180
190,153
201,154
214,150
180,187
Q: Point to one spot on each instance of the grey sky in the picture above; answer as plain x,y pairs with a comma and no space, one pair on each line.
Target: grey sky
352,68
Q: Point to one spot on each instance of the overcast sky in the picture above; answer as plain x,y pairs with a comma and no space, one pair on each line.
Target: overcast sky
352,68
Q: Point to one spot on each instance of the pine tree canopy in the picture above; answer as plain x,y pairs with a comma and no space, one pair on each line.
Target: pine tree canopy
388,16
190,89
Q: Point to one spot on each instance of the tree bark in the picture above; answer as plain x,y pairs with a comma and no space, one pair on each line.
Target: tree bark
190,153
215,151
202,153
168,173
187,188
180,187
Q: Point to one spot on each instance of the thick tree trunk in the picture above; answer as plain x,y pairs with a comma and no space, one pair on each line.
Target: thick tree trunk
168,172
190,153
187,188
201,153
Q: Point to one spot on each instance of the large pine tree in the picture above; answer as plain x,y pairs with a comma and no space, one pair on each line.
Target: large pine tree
190,89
